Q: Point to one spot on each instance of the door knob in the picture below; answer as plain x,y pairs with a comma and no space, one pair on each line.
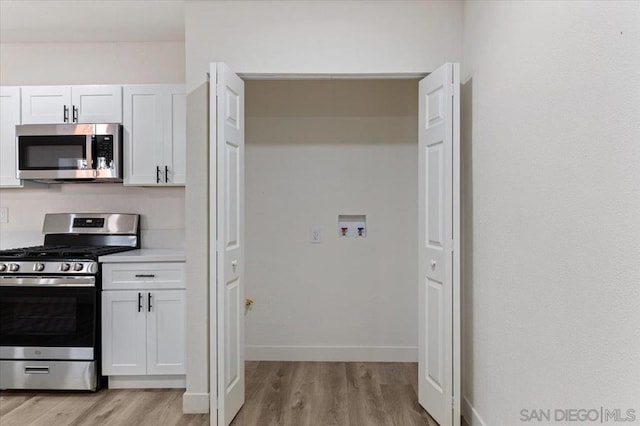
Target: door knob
234,264
248,302
433,264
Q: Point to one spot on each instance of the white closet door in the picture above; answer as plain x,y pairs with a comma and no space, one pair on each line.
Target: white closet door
227,229
439,248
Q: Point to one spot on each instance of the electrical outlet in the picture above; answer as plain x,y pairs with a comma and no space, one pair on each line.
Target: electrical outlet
314,237
4,215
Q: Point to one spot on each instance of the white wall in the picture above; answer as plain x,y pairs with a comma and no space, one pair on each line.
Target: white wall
92,63
162,210
290,37
314,150
323,36
553,140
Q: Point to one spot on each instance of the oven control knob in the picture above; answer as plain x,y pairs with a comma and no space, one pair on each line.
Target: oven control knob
14,267
78,266
65,267
3,267
38,267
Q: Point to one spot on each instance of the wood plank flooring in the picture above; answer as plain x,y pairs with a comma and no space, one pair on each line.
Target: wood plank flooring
331,394
277,393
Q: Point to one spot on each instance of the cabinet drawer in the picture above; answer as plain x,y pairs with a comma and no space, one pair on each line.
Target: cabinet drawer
130,276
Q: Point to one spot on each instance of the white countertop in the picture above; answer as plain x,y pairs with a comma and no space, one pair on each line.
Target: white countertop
145,255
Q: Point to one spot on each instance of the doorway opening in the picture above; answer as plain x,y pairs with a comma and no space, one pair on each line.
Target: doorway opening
333,177
316,150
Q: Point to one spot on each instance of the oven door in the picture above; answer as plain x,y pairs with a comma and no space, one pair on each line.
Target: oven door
48,317
55,156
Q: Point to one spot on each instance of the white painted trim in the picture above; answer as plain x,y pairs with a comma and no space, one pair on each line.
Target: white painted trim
470,414
316,76
195,403
332,353
147,382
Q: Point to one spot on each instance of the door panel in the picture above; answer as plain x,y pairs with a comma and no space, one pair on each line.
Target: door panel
166,332
124,344
439,194
227,180
143,134
9,118
97,104
176,153
232,343
46,104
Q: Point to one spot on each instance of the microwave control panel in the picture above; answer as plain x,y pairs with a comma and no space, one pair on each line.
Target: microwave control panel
104,147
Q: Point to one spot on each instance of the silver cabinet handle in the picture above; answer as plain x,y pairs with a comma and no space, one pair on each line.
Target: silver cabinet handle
65,113
166,174
75,114
157,174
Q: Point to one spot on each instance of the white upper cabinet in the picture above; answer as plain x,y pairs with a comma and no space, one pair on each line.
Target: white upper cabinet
71,104
9,118
154,121
46,104
96,104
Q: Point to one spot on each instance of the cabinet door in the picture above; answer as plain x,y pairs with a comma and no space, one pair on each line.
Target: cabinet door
143,114
46,104
96,104
9,117
124,344
166,332
175,140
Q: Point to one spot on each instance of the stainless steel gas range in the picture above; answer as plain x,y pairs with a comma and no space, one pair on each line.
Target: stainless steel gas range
50,301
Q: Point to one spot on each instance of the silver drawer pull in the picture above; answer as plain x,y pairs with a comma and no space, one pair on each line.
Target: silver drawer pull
145,276
36,370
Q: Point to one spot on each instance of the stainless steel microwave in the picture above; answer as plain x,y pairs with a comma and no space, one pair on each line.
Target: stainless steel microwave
58,153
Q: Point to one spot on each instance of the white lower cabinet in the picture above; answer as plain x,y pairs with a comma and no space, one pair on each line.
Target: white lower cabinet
143,328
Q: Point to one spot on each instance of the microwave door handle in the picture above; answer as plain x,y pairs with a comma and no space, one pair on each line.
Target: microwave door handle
90,150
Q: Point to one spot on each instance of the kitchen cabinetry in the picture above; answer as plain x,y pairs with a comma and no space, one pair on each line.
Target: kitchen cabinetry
154,121
71,104
9,118
143,321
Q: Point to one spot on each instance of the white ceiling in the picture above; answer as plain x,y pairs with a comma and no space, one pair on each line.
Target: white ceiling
55,21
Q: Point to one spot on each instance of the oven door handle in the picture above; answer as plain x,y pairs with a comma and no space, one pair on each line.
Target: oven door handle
12,281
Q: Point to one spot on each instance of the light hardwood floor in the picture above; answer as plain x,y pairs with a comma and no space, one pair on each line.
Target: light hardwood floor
277,393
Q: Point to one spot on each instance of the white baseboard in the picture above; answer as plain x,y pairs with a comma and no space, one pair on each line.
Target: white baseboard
470,414
332,353
195,403
147,382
